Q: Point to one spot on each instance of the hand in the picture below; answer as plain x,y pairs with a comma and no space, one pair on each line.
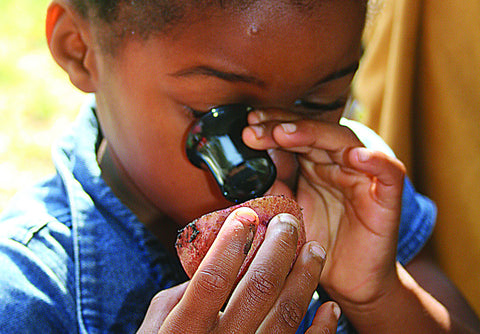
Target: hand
272,297
351,198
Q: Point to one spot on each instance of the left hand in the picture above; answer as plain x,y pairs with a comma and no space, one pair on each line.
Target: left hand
273,296
325,320
351,198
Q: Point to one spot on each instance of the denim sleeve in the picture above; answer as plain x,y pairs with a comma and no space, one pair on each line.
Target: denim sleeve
417,221
34,276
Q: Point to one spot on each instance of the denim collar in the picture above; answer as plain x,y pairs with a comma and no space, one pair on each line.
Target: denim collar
111,293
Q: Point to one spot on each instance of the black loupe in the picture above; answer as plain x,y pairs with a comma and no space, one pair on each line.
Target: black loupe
215,143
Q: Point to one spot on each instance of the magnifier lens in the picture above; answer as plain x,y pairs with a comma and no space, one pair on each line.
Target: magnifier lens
215,143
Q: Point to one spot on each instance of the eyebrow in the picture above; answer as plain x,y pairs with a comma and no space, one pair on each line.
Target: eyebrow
224,75
341,73
208,71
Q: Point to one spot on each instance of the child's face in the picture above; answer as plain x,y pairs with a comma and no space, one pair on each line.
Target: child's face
269,57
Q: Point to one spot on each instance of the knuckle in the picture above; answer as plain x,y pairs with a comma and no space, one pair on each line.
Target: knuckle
262,286
212,280
286,238
326,330
290,313
158,299
311,270
308,275
286,245
308,278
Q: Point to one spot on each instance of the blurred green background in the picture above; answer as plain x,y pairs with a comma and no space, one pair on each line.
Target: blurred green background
37,101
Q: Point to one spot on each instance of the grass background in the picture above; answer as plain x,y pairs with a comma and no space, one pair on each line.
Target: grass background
37,101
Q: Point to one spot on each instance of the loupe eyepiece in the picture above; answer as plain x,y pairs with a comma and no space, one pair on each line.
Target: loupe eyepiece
215,143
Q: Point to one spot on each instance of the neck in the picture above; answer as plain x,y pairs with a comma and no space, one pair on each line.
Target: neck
127,191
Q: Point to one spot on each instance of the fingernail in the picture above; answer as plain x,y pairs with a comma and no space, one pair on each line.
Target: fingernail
289,127
287,220
336,310
258,130
256,117
363,154
246,216
318,251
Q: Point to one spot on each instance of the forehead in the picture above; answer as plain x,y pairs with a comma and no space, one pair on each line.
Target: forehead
264,17
269,39
273,31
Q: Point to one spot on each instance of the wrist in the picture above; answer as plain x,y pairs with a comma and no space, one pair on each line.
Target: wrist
373,312
402,307
361,294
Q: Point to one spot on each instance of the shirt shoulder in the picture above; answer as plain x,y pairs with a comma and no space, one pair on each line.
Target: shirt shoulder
36,280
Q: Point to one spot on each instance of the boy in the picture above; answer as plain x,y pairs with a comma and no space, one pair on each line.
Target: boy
90,247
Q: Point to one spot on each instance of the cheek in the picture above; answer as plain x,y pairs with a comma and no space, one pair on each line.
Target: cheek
147,131
167,178
150,144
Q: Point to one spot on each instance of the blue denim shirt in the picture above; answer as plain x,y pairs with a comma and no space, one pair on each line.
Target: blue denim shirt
74,259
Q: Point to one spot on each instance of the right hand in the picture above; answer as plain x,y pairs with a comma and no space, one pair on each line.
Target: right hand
351,198
272,297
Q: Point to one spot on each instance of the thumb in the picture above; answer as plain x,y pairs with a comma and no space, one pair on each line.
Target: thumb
160,306
388,172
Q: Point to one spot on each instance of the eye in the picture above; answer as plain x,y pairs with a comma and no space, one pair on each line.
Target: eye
331,96
315,106
236,107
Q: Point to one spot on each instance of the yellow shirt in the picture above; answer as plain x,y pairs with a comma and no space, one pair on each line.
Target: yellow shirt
419,87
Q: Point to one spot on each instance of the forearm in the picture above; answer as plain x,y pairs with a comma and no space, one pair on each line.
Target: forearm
406,308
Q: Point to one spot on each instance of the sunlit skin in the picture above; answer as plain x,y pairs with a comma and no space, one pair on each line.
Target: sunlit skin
293,66
148,97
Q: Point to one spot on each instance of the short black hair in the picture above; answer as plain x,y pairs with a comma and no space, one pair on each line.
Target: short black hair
121,19
169,10
110,11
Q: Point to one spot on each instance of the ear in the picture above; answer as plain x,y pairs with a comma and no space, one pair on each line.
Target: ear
70,44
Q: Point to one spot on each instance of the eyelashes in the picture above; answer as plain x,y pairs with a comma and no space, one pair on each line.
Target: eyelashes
340,103
304,105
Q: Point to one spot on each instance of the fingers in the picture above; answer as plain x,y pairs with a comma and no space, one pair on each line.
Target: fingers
305,134
387,171
292,304
326,319
274,293
263,282
214,279
160,307
328,150
310,138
